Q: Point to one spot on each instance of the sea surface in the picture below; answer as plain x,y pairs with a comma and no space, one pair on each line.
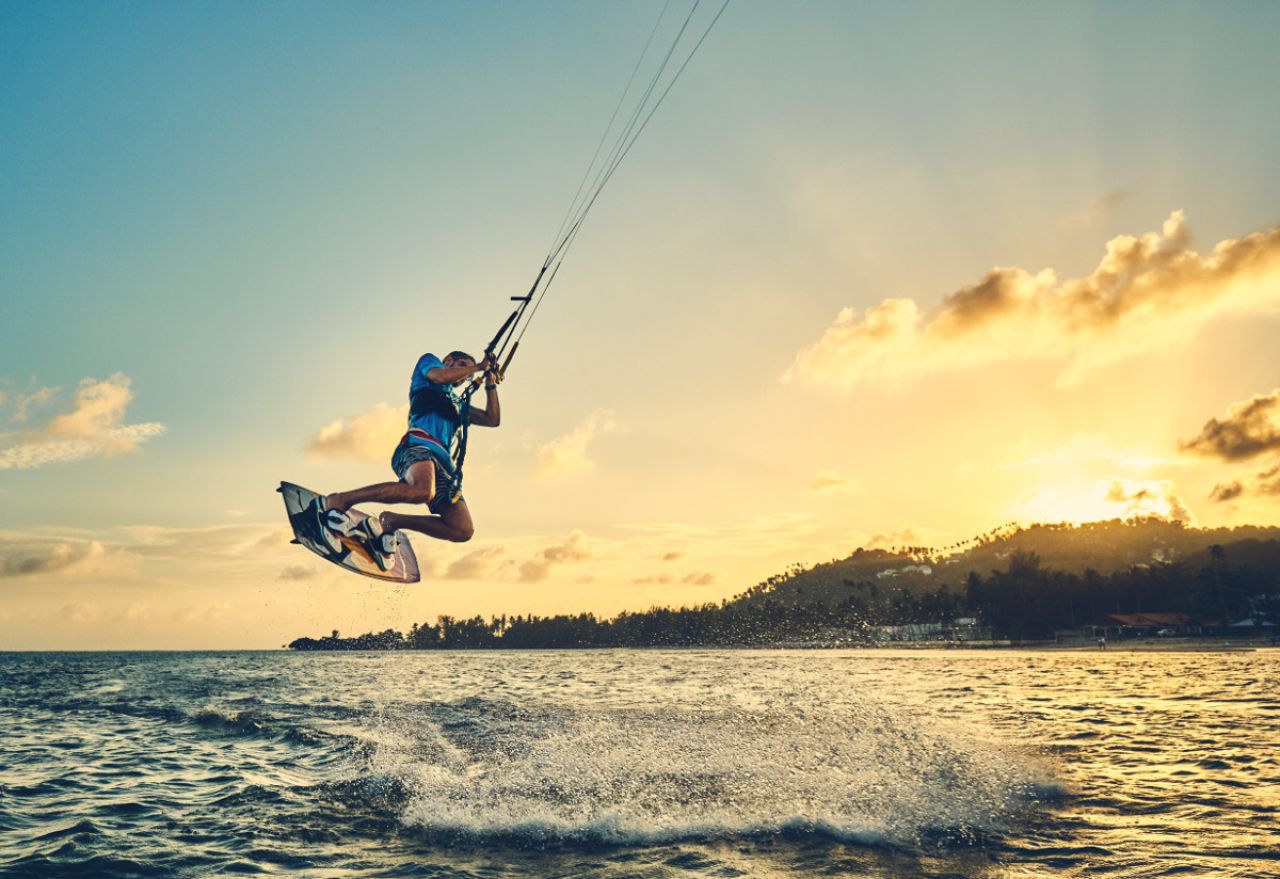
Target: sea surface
635,763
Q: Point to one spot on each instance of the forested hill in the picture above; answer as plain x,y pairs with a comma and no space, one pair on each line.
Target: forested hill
1020,583
1104,547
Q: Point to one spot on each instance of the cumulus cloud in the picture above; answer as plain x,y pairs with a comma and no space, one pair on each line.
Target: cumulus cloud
123,549
1249,429
1268,481
1265,483
92,426
479,564
369,436
526,558
1152,497
1148,293
574,547
212,543
20,405
1227,491
21,557
566,456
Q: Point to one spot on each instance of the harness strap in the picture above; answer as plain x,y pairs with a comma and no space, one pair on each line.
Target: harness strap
421,434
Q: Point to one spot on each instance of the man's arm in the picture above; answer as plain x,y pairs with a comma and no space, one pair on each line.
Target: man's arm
447,375
492,414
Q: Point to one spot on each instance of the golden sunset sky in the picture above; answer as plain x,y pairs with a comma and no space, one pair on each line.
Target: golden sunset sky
873,275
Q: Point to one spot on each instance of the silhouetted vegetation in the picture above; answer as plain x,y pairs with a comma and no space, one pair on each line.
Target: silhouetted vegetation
1023,598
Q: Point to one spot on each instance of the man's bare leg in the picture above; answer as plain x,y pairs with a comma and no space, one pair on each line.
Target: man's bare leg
455,525
382,493
418,487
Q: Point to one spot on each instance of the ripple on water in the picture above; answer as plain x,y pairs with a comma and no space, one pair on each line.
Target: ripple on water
641,764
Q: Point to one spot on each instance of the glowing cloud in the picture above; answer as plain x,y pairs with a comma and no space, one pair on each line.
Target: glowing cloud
26,556
572,548
566,456
1148,293
23,403
369,436
1249,429
1148,498
1111,498
528,558
91,427
1266,484
1227,491
479,564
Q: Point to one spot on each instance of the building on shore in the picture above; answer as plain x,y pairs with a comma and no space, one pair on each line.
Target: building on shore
1140,625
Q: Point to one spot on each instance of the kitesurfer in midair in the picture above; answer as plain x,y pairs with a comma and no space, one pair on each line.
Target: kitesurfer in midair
423,461
429,458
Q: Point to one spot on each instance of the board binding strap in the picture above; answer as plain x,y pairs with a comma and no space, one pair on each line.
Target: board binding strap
355,554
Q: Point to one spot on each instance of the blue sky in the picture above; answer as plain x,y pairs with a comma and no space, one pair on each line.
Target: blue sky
261,214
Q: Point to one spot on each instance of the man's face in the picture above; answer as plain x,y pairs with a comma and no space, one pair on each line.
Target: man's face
459,361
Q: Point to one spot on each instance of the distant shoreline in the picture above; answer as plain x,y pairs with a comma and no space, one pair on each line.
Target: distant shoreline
1185,645
1207,645
1204,645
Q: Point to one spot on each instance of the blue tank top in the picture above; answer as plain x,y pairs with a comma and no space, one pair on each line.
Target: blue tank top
433,407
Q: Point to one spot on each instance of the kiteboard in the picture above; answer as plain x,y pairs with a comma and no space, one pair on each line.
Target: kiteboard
300,503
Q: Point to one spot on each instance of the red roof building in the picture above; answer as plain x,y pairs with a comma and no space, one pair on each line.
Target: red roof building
1148,620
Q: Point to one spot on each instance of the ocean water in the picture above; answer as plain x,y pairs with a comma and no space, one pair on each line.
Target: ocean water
640,764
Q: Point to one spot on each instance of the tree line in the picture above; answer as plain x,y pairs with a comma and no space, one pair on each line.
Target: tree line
1024,601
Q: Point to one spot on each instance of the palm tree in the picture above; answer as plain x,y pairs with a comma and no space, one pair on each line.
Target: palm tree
1217,558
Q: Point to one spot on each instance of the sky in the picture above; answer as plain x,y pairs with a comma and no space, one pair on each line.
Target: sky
874,275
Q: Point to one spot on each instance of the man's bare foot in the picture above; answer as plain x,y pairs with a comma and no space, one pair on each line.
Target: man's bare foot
335,501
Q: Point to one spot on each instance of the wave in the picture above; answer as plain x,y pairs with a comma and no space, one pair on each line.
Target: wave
248,722
488,771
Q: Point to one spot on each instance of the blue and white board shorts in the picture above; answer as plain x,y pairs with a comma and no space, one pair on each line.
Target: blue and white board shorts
407,454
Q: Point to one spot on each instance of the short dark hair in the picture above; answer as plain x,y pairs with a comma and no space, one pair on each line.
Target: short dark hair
459,354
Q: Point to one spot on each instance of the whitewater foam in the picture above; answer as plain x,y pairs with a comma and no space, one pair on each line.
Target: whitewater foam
870,775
